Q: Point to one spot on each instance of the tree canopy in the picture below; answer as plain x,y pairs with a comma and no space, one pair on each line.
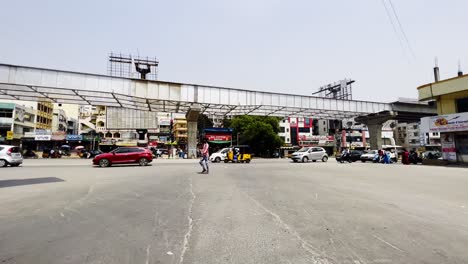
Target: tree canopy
260,132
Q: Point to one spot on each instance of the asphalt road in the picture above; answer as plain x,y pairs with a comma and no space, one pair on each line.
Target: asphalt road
269,211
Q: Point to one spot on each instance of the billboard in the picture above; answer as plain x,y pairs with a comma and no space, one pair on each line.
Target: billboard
123,118
449,123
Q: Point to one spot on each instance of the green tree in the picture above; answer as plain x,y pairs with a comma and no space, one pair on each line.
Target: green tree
203,122
261,133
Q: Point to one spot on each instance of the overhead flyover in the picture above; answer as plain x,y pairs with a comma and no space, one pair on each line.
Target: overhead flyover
39,84
402,111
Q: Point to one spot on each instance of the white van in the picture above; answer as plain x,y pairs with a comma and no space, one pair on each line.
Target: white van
219,155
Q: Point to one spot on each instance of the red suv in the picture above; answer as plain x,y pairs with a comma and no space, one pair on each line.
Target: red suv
124,155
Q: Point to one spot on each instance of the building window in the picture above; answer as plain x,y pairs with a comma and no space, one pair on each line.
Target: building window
287,140
416,134
281,129
462,105
287,130
304,130
307,122
324,129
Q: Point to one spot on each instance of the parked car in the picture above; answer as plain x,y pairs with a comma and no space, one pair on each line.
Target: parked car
354,155
369,155
431,154
124,155
219,155
307,154
10,155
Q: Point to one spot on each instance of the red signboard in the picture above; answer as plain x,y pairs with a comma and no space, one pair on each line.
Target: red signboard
218,137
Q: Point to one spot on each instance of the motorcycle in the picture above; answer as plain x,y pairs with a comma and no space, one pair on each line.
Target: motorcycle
29,154
345,158
414,158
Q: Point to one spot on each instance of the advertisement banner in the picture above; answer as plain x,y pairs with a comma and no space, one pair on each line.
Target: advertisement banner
317,138
218,137
449,152
29,134
9,135
42,137
449,123
74,137
59,135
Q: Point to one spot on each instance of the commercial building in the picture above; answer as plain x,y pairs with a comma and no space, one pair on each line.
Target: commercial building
59,120
408,135
15,121
44,115
451,98
180,131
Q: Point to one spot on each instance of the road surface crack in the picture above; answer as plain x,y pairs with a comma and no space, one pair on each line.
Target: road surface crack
313,251
185,246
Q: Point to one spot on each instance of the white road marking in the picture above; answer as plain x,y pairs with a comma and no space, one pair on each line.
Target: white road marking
387,243
185,246
169,253
62,215
316,258
147,254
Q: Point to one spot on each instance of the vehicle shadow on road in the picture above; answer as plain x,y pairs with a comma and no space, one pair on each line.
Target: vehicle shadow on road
12,183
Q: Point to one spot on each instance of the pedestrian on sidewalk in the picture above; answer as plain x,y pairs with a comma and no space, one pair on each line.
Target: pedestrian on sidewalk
204,157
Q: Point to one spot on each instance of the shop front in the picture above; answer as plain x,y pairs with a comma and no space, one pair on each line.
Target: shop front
453,131
326,142
218,138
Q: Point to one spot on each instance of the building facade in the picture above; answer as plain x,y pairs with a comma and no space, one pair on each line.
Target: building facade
16,120
180,131
59,120
451,98
408,135
44,115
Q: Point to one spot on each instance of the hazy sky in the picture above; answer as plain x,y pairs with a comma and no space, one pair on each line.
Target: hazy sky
292,46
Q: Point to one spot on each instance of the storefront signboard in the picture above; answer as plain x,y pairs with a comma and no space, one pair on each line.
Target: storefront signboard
42,137
218,137
74,137
449,152
449,123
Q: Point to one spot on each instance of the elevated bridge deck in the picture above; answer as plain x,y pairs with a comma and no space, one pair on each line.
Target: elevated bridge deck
34,84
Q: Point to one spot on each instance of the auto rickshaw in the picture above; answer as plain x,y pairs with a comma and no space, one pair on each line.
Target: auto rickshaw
239,154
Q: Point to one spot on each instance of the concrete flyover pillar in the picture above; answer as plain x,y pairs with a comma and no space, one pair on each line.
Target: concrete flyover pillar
375,135
192,121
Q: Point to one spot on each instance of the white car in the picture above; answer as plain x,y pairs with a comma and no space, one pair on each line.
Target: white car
369,156
219,155
307,154
10,155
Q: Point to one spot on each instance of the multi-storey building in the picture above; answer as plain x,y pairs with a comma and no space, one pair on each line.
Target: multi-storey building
180,130
451,98
18,119
44,115
59,120
408,135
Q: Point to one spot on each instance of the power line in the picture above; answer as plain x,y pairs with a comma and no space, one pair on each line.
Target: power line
395,30
401,28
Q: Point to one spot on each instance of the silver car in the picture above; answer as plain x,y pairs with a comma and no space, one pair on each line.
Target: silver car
10,155
307,154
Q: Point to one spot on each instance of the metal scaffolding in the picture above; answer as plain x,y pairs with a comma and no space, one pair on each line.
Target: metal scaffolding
133,67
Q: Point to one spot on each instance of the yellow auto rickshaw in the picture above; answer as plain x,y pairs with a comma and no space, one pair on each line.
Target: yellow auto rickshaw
239,154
